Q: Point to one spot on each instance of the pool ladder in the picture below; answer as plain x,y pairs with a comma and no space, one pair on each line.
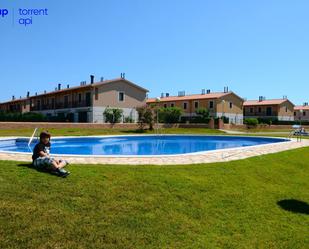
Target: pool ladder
30,140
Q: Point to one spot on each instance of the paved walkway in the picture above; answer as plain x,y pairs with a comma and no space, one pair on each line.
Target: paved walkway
204,157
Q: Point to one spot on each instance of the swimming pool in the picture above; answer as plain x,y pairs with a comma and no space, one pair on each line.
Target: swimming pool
138,145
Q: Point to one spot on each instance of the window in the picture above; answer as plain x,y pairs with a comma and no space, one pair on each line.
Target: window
96,93
172,105
231,105
286,109
304,113
251,110
195,104
294,113
211,104
121,96
79,97
165,105
260,109
185,105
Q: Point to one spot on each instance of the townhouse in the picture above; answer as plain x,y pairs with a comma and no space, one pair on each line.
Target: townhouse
219,104
301,112
20,105
84,103
275,109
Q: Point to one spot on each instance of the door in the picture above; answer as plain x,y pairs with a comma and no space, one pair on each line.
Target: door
268,111
88,99
82,117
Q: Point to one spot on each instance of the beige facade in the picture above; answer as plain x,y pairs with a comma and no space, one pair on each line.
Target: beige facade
85,103
220,104
16,105
301,112
280,109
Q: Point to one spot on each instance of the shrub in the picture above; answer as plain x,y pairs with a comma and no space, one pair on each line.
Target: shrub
202,116
251,121
112,115
170,115
22,117
128,119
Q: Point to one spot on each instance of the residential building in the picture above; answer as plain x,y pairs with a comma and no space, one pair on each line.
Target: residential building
20,105
219,104
301,112
84,103
276,109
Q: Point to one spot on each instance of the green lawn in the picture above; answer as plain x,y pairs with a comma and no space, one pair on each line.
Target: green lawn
222,205
88,132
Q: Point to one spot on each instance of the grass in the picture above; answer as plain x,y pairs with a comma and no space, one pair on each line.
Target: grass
222,205
91,131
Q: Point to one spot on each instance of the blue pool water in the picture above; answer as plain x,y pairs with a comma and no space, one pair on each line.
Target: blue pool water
139,145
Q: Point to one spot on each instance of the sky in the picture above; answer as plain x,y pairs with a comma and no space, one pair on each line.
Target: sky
256,48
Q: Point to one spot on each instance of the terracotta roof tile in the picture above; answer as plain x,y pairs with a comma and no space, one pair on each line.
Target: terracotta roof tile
264,102
301,107
190,97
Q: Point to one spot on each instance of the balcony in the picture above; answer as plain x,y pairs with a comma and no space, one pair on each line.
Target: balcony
61,105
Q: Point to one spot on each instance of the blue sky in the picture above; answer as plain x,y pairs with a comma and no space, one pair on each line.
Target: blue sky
254,47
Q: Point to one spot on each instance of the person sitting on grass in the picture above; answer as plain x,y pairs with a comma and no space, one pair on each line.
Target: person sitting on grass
42,160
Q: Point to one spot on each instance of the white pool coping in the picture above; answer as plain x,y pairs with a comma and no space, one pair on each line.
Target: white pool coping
210,156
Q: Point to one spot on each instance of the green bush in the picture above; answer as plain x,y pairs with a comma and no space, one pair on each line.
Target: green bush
22,117
202,116
112,115
251,121
169,115
128,119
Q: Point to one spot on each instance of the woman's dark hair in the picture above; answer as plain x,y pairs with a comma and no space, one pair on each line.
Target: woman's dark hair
44,134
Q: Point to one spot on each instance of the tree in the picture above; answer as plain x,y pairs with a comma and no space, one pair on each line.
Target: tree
112,115
146,116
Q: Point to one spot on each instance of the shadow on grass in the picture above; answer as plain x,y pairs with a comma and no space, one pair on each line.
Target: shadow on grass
30,166
294,206
134,131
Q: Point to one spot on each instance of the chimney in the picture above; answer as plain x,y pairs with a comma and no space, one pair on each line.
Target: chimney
102,79
91,79
162,95
68,86
208,91
167,95
44,91
28,94
203,91
305,104
36,94
226,89
122,75
59,87
13,97
261,98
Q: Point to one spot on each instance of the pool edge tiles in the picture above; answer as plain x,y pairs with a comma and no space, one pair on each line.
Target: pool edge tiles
203,157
